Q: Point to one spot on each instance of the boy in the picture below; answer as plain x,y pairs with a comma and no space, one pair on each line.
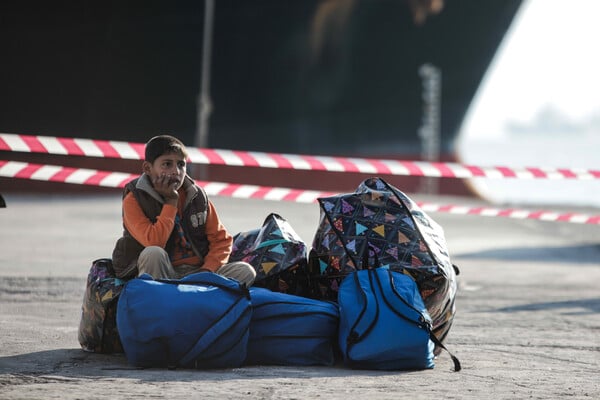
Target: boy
171,229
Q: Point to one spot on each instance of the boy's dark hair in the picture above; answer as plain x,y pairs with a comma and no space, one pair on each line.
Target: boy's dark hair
164,144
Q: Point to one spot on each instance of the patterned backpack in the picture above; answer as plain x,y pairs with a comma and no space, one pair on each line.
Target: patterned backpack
277,254
98,326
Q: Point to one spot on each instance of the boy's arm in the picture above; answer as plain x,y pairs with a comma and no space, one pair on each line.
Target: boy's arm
219,241
142,229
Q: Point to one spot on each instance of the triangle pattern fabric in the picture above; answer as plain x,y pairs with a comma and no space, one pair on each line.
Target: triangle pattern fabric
277,254
351,245
323,266
346,207
380,229
268,266
277,232
328,206
367,212
402,238
278,249
360,228
393,251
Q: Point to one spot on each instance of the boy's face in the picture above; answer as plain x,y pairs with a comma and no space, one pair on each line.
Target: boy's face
167,171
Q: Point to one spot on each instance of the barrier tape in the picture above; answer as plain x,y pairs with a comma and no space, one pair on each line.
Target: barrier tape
84,176
135,151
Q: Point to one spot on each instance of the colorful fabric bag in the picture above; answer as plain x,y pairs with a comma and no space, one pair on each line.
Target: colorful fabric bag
98,325
379,220
277,253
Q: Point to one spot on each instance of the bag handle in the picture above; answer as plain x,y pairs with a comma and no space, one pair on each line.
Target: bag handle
207,278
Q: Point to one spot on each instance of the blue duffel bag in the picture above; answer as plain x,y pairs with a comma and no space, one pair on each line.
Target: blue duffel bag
287,329
200,321
384,323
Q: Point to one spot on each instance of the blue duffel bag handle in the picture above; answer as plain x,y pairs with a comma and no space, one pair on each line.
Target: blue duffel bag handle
205,278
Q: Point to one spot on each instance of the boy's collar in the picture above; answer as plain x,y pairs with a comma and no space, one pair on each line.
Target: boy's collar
144,184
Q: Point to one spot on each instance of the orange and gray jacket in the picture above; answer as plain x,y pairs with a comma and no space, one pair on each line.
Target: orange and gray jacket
127,249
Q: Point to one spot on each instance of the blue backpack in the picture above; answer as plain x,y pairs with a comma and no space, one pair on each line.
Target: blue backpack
287,329
384,323
200,321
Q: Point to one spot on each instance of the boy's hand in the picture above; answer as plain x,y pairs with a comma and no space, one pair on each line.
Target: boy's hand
166,186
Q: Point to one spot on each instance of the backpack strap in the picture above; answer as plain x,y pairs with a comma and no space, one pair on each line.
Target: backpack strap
434,339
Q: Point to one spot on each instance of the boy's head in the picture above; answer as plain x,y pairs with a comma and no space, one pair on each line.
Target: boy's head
164,144
165,163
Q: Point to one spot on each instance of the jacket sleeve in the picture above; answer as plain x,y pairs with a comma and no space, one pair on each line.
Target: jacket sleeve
219,241
142,229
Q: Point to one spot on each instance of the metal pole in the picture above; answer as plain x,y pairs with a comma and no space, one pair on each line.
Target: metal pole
429,132
204,103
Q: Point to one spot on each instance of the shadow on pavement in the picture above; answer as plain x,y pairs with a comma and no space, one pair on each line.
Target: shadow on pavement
571,307
579,254
70,364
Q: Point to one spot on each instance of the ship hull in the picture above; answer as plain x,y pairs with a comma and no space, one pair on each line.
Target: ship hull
310,77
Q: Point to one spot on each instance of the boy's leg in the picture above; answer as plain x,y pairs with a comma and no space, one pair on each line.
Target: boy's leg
155,261
240,271
185,270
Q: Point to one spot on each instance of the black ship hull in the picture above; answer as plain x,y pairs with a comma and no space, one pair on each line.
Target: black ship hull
311,77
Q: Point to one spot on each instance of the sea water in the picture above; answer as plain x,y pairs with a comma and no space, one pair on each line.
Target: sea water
539,106
568,151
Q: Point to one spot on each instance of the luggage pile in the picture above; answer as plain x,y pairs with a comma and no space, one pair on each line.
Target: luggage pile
378,226
376,291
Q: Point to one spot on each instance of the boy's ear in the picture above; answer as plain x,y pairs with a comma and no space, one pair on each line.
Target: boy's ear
146,167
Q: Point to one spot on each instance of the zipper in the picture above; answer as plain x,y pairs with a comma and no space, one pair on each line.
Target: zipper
296,314
302,314
423,323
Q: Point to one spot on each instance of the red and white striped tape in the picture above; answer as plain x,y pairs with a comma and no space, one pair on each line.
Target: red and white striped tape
135,151
83,176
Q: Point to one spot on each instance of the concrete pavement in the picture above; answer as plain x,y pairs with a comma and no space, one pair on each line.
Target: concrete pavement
527,323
